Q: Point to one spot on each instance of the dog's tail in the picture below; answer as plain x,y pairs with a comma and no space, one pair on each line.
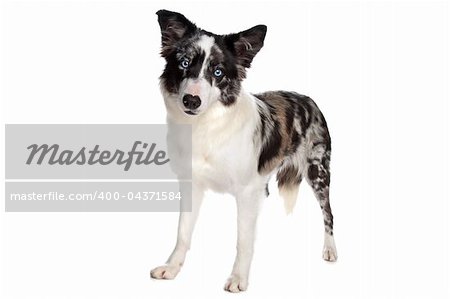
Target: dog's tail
289,179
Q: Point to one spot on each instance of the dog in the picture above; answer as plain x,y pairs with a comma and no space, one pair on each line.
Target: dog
239,140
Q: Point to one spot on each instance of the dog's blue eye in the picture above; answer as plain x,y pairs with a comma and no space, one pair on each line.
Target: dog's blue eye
185,63
218,72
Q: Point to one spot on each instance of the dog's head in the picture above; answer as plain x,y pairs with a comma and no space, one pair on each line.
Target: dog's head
203,68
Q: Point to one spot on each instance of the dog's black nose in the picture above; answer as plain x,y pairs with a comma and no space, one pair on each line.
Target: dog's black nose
191,102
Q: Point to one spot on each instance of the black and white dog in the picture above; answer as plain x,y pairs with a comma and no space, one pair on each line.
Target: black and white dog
239,140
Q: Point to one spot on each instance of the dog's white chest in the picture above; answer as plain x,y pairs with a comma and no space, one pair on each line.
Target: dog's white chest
215,165
224,156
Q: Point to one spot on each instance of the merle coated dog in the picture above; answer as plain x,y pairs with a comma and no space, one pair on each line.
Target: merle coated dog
239,140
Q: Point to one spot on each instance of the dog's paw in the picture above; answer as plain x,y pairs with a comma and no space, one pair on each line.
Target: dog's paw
165,272
329,253
236,284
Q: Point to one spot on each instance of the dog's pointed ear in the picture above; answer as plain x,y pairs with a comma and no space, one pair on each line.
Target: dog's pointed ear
174,26
246,44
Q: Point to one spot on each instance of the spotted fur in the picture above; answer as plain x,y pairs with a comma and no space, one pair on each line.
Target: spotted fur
239,140
295,140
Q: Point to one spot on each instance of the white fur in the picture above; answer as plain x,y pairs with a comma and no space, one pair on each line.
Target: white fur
224,159
205,43
329,249
289,195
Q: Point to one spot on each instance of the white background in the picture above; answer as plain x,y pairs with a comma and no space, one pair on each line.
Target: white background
378,70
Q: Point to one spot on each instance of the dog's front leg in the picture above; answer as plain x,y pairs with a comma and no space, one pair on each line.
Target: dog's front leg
248,204
186,225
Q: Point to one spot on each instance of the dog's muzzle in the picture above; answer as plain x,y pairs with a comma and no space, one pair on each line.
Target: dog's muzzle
191,103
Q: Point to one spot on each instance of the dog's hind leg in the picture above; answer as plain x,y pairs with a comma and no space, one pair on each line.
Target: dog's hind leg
186,225
318,176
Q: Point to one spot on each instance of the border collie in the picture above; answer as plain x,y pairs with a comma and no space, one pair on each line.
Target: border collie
239,140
